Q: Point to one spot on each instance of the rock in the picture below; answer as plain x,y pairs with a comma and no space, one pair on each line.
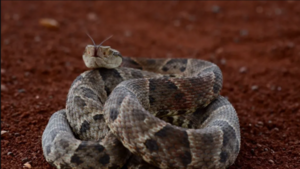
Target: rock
3,88
92,16
3,132
215,9
243,32
219,51
223,61
37,38
49,23
243,70
21,90
127,33
254,87
27,165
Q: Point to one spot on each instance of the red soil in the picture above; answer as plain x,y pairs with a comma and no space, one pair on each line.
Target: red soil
256,44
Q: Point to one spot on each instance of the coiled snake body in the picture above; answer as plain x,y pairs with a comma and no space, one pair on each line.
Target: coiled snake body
147,113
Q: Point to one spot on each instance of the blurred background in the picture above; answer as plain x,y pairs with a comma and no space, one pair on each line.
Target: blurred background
256,45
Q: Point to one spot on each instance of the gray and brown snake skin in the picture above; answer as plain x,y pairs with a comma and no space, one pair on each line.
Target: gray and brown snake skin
146,114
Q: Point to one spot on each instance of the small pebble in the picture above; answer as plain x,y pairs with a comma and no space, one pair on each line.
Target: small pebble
6,41
25,159
290,44
127,33
27,165
3,88
49,23
3,132
37,96
278,11
92,17
254,87
243,70
260,123
243,32
21,90
223,61
37,38
219,51
15,17
271,161
3,71
10,154
266,149
215,9
258,145
279,88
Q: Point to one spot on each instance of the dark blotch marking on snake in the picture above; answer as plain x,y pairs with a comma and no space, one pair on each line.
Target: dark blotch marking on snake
128,62
82,146
137,74
152,85
169,130
98,117
113,114
64,143
186,158
218,84
182,69
151,100
151,145
90,94
104,159
76,159
138,114
121,95
108,91
48,149
181,61
79,101
84,127
228,131
175,62
171,85
178,96
106,73
165,69
165,132
223,156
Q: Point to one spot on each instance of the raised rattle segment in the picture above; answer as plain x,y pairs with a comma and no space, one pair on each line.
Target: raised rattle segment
110,109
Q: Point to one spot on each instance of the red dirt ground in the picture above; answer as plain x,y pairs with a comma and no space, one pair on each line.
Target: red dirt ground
256,44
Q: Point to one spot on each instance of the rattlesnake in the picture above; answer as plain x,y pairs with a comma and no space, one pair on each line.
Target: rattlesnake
147,113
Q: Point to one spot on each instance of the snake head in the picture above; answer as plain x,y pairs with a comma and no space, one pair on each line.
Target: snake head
101,57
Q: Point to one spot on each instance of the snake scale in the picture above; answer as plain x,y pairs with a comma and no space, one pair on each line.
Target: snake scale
143,113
